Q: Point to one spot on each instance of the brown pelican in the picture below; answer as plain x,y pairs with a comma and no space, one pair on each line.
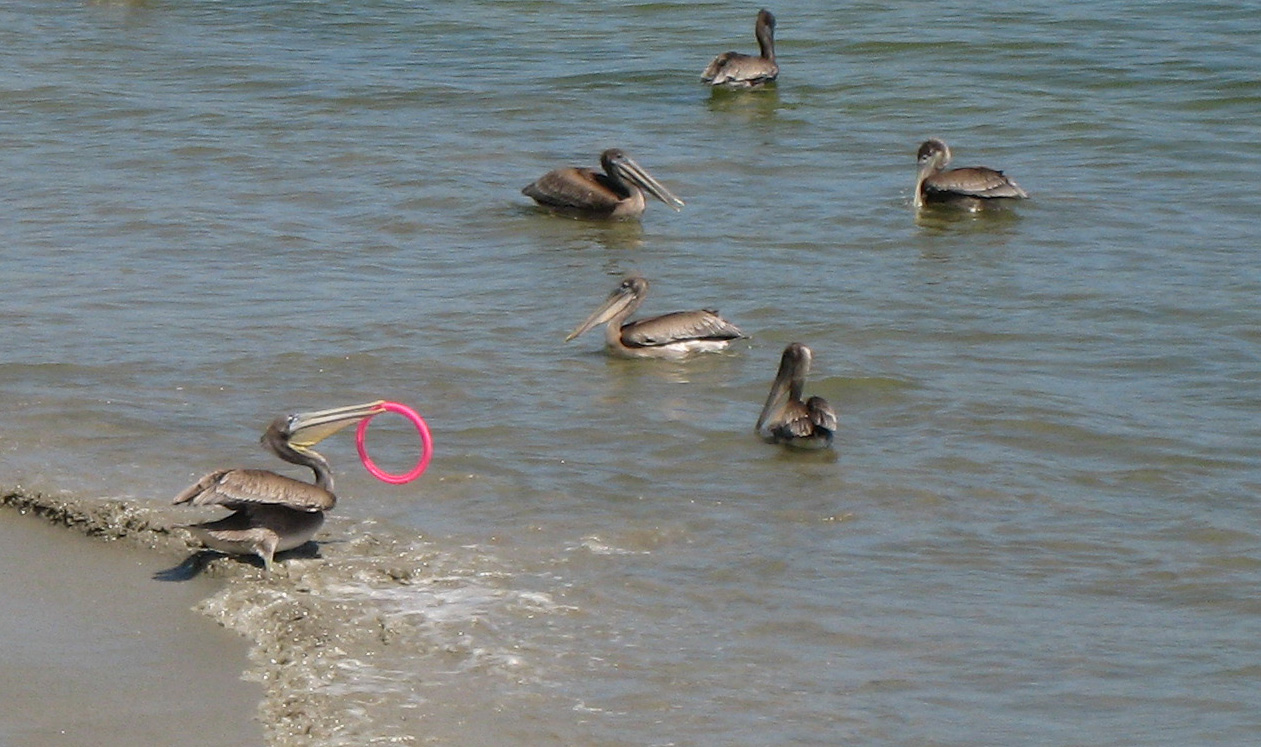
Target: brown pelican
967,187
588,193
744,70
673,335
785,419
271,512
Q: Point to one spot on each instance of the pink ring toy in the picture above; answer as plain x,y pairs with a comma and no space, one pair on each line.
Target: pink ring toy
426,444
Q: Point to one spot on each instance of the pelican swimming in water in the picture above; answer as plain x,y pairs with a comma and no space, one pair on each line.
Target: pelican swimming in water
675,335
271,512
787,420
588,193
972,187
744,70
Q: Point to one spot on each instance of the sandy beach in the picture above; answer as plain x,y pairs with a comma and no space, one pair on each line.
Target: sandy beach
98,652
1037,522
117,641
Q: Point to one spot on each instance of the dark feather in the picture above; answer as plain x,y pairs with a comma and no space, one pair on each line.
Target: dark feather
576,189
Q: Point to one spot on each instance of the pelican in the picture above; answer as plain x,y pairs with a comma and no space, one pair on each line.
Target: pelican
744,70
675,335
588,193
967,187
785,419
270,512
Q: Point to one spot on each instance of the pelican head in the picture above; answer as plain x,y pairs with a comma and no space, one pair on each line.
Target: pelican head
292,437
620,304
621,167
764,30
933,156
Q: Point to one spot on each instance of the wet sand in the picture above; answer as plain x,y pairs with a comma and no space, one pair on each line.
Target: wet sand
97,652
115,641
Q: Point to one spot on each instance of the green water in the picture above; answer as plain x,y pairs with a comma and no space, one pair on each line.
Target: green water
1039,524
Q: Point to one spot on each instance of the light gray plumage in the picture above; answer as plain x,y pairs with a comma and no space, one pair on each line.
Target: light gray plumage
744,70
674,335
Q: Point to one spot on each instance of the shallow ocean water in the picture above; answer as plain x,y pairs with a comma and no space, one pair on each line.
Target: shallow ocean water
1039,522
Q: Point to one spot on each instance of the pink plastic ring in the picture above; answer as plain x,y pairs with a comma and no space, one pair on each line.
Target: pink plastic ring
426,444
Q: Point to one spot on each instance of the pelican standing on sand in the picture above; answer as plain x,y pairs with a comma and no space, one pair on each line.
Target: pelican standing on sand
587,193
787,420
972,188
675,335
744,70
270,512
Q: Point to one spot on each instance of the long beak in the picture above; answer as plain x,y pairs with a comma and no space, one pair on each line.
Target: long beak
306,429
793,367
636,174
930,163
927,165
775,401
617,302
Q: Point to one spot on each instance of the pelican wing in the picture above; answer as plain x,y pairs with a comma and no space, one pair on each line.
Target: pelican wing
679,326
239,488
805,425
733,68
976,181
794,423
575,189
821,414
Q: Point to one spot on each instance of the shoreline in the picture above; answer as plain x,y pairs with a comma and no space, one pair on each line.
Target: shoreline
296,626
100,653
